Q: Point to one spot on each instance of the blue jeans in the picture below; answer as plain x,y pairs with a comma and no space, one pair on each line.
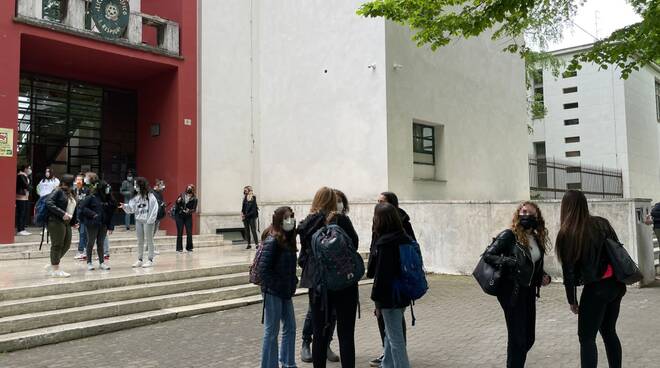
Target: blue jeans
278,310
395,355
106,246
127,220
82,244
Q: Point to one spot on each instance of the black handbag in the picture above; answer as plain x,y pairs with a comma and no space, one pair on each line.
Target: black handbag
488,277
625,269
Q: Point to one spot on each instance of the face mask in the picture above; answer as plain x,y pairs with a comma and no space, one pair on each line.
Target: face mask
47,175
87,182
288,224
107,190
130,178
137,189
189,190
528,222
340,207
28,172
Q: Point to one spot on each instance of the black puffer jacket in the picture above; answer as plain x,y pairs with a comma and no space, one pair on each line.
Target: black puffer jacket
516,259
57,203
385,268
90,211
593,263
311,224
655,214
250,209
277,267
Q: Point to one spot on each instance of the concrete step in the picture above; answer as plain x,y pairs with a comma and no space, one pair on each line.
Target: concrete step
29,321
125,239
36,235
109,295
78,286
161,246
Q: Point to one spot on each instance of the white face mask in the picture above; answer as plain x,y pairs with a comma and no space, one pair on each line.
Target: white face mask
289,224
137,189
340,207
28,172
107,190
86,181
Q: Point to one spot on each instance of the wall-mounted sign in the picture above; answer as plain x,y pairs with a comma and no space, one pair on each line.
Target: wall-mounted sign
155,130
6,142
187,122
110,16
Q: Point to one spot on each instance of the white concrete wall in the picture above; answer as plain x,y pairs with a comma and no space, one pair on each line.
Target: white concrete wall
476,93
453,234
642,132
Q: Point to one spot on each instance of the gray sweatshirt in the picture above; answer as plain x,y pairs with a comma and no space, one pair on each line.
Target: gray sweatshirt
145,209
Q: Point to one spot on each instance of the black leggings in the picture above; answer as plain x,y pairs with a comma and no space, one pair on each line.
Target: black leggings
184,221
599,311
95,234
251,225
520,316
345,304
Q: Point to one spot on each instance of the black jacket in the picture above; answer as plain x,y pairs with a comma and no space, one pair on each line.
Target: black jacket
180,204
277,267
407,227
306,230
250,209
22,184
385,268
592,265
57,203
655,214
516,260
93,211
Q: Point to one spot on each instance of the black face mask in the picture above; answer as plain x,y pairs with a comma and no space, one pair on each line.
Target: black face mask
528,222
189,191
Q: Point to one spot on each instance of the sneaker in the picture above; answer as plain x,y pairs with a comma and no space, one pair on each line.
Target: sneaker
189,251
24,233
156,252
248,247
106,257
376,362
48,268
104,266
80,256
179,252
148,264
59,273
90,267
137,264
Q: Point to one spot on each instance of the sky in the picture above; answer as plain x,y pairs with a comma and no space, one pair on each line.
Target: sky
598,18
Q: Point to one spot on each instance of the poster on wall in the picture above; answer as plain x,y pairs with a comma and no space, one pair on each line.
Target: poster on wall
6,142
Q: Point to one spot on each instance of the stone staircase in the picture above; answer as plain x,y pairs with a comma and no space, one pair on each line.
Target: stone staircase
121,242
37,315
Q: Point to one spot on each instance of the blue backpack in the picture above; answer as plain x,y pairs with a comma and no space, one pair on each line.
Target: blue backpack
411,282
338,264
41,212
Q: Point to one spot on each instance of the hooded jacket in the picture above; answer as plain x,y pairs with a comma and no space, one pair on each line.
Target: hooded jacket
385,268
277,267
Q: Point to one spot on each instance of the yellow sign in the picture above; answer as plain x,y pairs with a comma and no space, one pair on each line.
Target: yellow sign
6,142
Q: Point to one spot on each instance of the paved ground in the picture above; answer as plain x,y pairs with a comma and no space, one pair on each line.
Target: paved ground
458,327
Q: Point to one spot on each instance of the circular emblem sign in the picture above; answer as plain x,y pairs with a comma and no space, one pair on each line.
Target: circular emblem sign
110,16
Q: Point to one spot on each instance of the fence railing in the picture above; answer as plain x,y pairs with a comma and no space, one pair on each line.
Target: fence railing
550,178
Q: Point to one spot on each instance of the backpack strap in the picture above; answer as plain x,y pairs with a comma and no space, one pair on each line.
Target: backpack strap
263,310
412,312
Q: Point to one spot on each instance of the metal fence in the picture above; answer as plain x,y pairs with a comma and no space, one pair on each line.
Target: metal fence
549,179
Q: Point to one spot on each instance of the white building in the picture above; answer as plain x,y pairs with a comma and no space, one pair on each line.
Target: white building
596,118
299,94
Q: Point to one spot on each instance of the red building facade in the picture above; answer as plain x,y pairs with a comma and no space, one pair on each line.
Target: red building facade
138,97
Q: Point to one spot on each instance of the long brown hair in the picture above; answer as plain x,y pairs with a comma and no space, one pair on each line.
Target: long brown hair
286,240
573,235
325,201
540,233
386,219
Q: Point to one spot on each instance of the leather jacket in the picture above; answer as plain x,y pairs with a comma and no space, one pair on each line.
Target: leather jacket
516,260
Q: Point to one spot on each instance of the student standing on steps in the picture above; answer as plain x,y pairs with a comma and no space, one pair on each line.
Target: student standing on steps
277,270
93,216
23,188
127,191
80,192
61,217
249,215
186,205
145,207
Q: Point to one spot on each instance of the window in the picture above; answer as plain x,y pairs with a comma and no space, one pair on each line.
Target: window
539,150
574,186
541,165
424,144
657,99
572,153
569,74
572,105
571,121
572,139
570,90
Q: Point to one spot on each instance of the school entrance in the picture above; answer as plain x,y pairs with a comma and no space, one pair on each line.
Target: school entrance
74,127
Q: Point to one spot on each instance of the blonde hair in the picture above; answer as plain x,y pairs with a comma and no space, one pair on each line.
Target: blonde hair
325,200
540,233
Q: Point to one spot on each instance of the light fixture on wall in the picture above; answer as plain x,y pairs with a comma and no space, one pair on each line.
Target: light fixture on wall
372,67
397,66
155,130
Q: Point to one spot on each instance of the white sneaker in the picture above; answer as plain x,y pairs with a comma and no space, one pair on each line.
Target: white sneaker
59,273
24,233
147,264
48,268
104,266
156,252
90,267
137,264
80,256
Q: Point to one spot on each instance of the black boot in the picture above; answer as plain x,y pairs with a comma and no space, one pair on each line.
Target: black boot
332,357
306,352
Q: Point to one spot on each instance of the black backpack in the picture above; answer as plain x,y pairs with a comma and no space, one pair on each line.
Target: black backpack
161,207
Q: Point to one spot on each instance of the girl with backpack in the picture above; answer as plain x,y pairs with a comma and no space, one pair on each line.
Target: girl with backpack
277,270
584,261
61,206
384,268
344,302
519,251
185,206
145,207
94,215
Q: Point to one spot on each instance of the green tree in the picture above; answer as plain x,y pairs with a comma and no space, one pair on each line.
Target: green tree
522,23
